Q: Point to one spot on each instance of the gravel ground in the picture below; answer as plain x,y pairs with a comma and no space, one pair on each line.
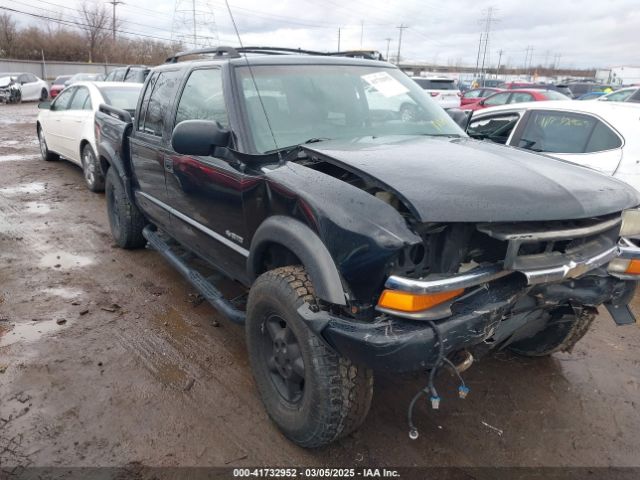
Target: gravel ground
107,358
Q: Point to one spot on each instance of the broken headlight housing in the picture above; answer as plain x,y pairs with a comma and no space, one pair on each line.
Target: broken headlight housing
630,223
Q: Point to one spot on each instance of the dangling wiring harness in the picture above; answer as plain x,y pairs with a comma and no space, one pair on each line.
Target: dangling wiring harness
430,389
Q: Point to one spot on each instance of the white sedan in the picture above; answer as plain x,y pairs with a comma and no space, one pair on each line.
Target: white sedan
599,135
32,87
66,126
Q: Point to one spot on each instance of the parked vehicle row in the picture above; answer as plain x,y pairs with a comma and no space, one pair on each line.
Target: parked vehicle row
514,96
368,231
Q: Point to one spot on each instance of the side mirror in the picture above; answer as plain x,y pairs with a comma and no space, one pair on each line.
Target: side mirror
46,105
198,137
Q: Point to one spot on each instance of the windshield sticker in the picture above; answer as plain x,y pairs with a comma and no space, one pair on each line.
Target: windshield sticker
385,84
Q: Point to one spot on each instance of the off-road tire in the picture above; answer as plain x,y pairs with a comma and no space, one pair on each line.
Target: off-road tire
560,335
337,394
45,153
125,219
91,171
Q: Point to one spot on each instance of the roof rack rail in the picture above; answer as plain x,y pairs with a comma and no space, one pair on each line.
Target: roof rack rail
218,51
278,51
232,52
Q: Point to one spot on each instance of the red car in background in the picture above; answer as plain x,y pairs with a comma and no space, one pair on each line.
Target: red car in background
58,85
477,94
515,96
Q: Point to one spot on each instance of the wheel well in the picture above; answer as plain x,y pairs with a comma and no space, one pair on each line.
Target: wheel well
274,255
82,144
104,164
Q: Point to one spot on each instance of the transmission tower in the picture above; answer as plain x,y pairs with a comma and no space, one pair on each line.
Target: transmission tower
194,24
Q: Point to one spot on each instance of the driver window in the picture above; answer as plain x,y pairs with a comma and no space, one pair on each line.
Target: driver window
203,99
80,99
63,100
496,128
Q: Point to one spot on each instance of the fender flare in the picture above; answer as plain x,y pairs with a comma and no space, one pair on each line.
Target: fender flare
307,246
112,157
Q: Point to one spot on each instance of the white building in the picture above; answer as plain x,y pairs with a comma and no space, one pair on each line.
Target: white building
620,75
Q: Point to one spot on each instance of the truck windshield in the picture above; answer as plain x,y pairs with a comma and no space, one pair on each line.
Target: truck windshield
315,102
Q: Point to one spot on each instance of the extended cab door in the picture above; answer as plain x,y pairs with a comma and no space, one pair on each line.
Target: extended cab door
148,144
205,193
576,137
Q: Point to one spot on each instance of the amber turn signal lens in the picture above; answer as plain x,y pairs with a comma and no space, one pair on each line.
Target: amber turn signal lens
412,302
633,268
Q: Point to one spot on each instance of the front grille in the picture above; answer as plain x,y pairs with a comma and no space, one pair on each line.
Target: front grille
534,246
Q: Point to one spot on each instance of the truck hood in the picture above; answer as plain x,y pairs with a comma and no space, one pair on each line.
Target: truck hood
463,180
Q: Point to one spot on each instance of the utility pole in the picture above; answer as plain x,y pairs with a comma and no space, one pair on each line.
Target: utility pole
489,20
530,60
361,32
475,72
526,59
338,38
500,52
115,3
388,44
400,28
195,29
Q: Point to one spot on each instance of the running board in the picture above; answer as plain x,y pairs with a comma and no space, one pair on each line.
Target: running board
210,293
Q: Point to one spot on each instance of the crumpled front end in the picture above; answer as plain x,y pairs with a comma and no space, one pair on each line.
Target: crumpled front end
489,286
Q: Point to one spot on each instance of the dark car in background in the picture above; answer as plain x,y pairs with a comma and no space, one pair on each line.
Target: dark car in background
130,73
538,86
578,89
58,85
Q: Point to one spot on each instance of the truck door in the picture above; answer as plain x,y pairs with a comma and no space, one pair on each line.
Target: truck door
205,193
147,144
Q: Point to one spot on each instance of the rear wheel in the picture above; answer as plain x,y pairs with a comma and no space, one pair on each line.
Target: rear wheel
44,94
125,219
314,395
44,149
91,170
563,330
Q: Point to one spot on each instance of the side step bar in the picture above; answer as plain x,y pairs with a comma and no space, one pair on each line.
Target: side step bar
206,289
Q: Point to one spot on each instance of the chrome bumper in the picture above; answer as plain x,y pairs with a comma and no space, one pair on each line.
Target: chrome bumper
572,269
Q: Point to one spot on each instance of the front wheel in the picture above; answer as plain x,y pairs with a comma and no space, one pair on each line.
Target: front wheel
91,170
314,395
125,219
563,330
45,153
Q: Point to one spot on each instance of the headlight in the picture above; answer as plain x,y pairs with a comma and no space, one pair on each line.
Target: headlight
630,223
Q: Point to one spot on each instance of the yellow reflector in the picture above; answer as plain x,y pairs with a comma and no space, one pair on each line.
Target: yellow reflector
412,302
633,268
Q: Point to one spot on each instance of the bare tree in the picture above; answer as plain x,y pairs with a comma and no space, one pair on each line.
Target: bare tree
8,35
96,25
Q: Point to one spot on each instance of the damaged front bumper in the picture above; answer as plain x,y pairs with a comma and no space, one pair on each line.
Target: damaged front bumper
495,305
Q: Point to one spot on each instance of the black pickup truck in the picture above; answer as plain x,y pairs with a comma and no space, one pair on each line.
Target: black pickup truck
367,230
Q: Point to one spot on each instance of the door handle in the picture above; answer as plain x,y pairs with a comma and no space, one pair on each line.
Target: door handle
168,164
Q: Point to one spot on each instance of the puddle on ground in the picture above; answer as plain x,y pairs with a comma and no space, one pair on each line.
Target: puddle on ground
38,208
27,331
33,187
64,260
17,157
63,292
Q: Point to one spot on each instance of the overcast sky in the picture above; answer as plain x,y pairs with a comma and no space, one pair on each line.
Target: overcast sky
583,33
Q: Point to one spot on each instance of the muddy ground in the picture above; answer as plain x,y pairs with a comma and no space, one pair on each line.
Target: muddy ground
107,358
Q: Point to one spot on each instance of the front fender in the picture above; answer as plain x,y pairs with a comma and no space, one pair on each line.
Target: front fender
307,246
